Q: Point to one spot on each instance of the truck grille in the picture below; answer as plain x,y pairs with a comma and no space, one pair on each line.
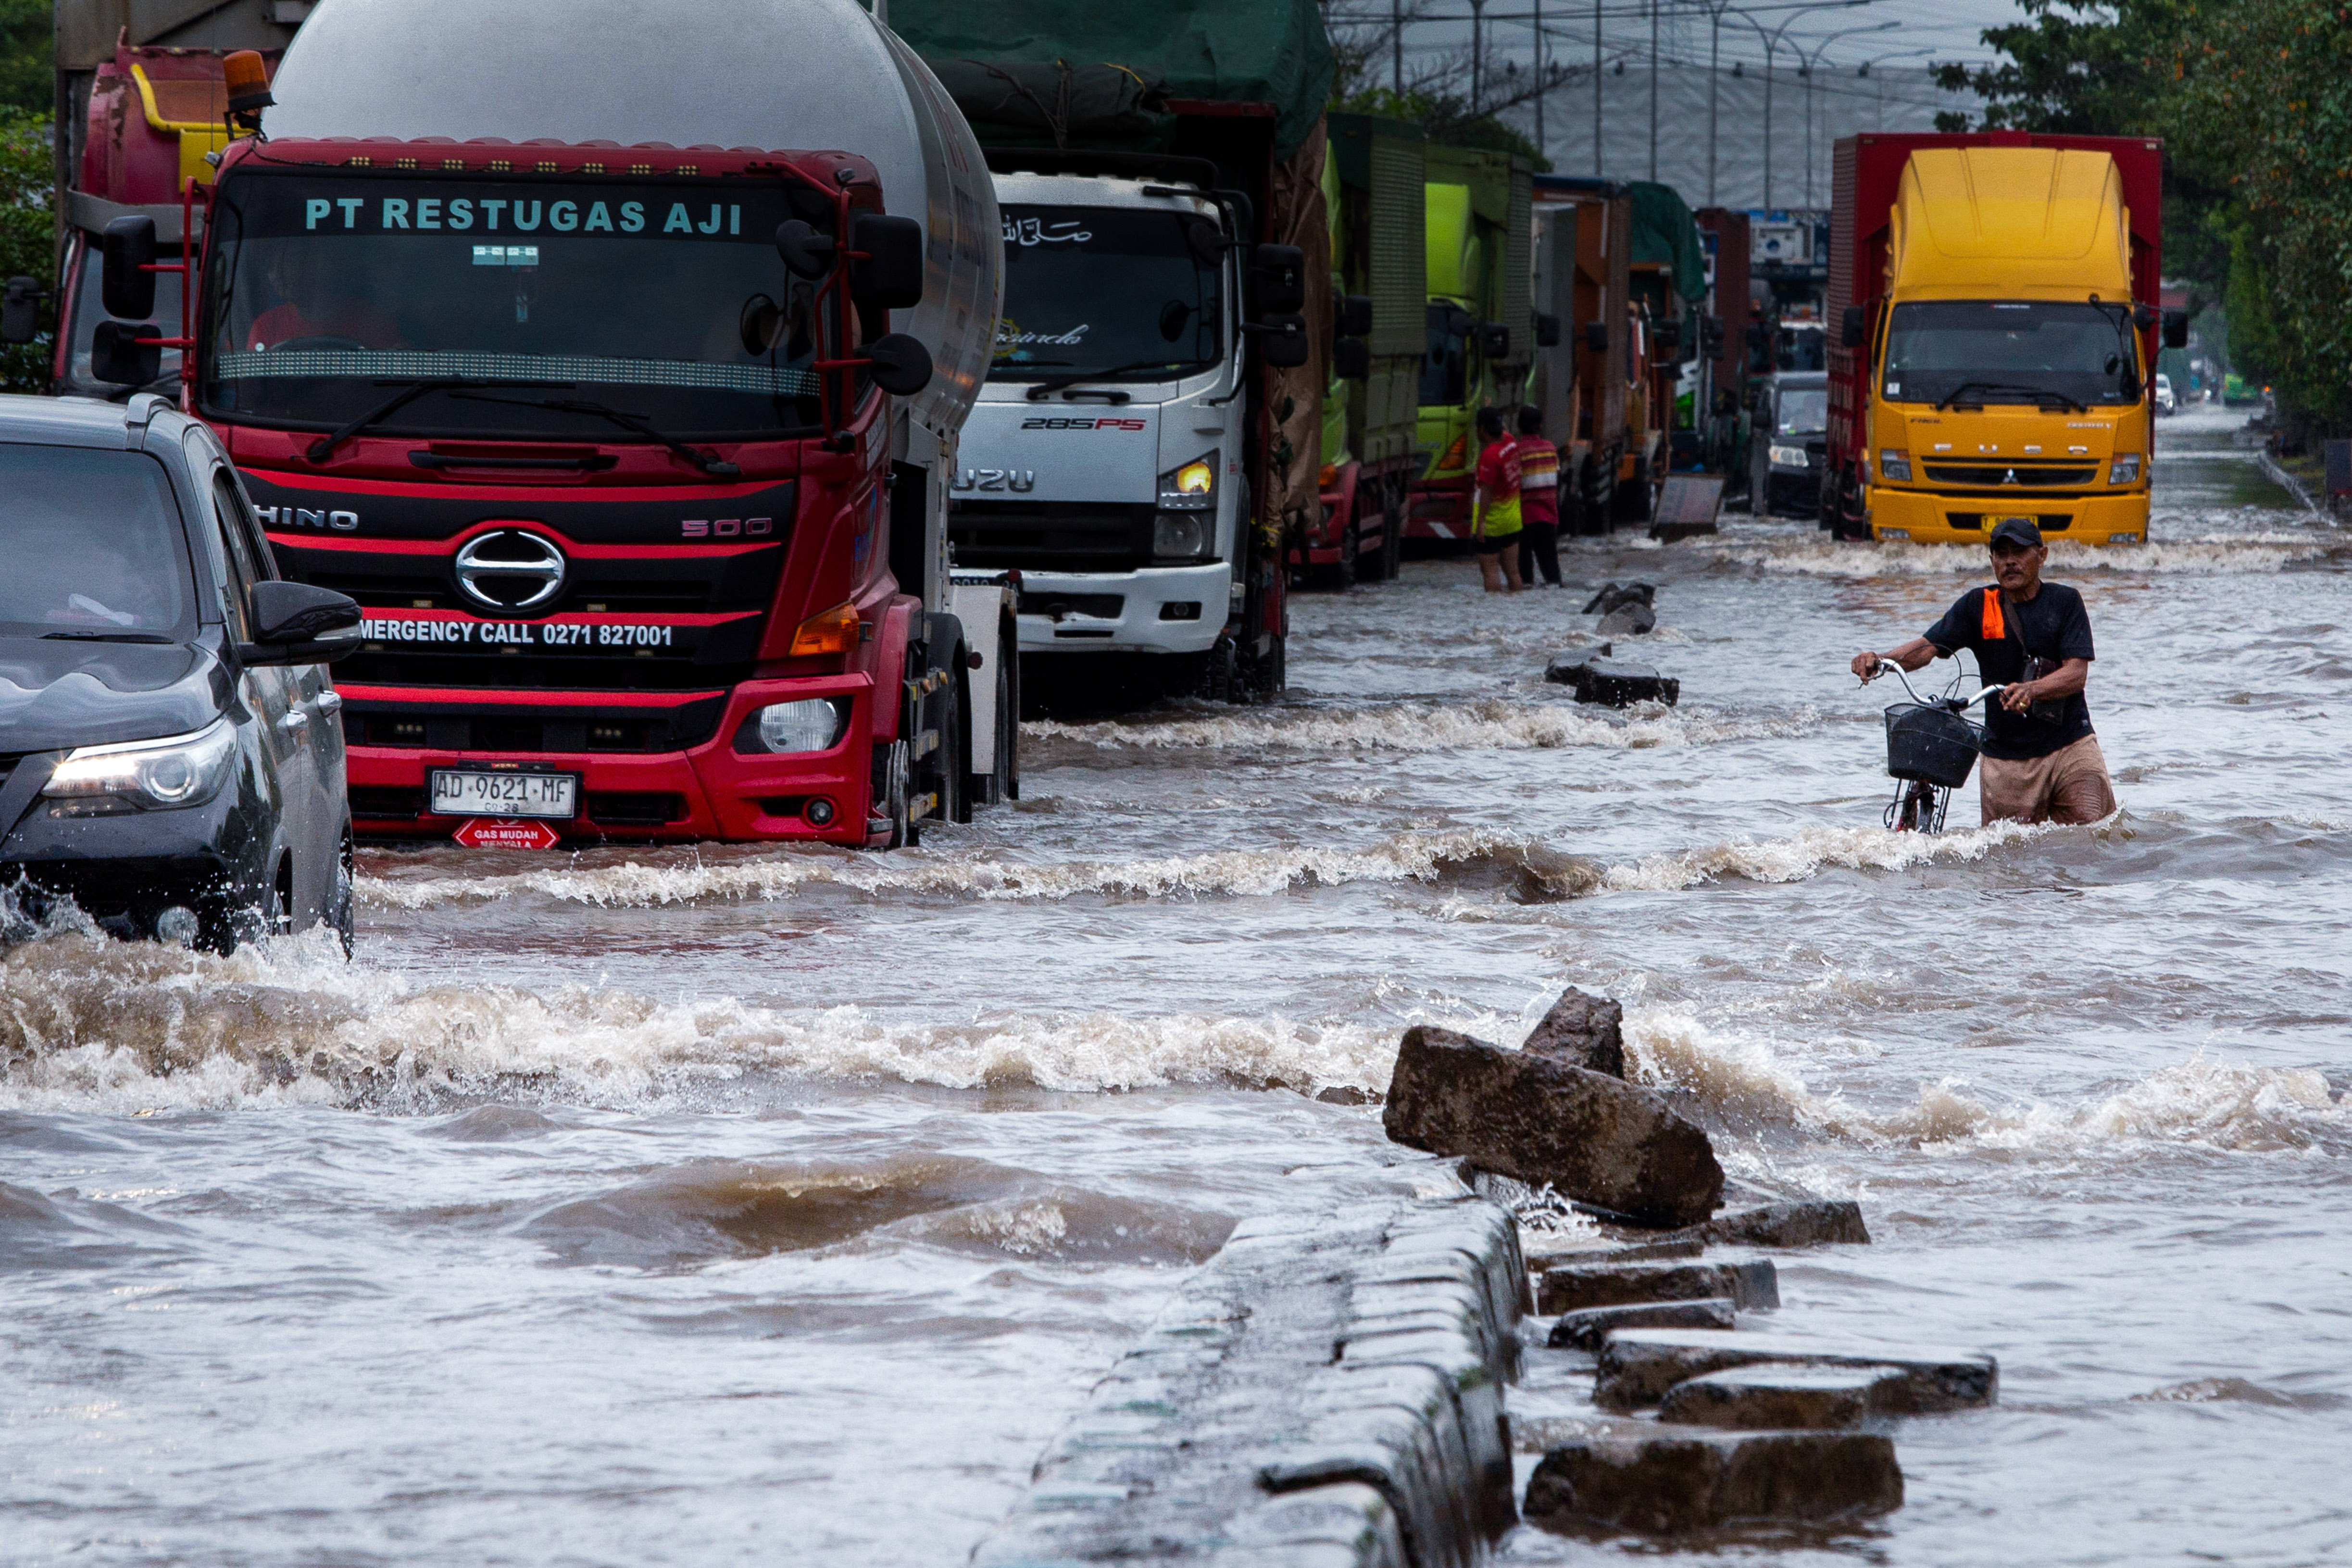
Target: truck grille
481,727
1051,536
2048,522
2020,474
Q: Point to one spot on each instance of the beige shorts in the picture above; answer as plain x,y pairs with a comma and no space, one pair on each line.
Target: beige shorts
2070,784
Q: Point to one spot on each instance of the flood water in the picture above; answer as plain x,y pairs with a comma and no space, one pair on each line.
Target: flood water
737,1206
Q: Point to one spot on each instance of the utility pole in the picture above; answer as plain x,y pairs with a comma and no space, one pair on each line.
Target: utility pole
1396,47
1478,52
1541,150
1596,89
1808,63
1653,91
1771,44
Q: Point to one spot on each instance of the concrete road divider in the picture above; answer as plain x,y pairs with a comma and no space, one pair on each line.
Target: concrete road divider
1786,1395
1670,1479
1588,1330
1639,1365
1574,1287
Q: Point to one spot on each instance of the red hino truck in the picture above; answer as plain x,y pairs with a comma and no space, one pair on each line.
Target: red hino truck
621,385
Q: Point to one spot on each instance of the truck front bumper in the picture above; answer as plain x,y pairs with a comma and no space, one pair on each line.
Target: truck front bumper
1154,610
708,791
1924,517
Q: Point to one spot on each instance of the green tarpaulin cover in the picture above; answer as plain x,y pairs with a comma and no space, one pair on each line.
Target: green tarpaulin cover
1023,70
1663,232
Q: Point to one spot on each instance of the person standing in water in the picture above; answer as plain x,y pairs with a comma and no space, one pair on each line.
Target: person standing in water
1538,499
2032,639
1495,505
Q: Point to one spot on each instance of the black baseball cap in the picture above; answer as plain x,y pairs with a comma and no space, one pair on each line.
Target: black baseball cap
2017,530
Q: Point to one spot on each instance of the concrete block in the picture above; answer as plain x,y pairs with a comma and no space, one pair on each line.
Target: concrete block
1573,1286
1675,1481
1586,1331
1593,1138
1620,683
1783,1395
1638,1365
1811,1222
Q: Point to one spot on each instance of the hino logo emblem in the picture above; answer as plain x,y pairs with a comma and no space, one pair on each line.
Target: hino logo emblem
509,570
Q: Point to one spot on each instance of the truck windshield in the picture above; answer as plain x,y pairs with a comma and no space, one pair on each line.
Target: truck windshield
1115,293
94,546
663,298
2012,349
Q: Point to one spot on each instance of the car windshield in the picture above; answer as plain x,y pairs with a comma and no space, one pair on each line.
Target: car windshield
1804,410
1444,364
2011,348
94,546
1110,292
662,298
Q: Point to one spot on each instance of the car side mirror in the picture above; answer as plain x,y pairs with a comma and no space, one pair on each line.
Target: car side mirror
1281,274
1547,331
125,287
20,310
806,253
126,354
1853,331
1495,341
2176,328
1351,316
1283,340
891,276
1352,359
902,365
1596,337
298,622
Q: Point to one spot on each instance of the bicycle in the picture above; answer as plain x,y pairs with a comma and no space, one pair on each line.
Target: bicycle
1931,750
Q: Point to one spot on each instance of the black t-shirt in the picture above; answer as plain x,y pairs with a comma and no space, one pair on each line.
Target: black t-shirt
2052,625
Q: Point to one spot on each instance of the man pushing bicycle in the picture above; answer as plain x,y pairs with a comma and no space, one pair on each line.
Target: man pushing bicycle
2041,761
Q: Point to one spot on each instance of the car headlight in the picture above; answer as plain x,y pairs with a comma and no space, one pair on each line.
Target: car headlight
1895,465
1788,456
2124,469
145,775
1181,533
810,725
1192,487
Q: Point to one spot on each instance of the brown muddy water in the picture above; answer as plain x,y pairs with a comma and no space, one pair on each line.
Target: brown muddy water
743,1206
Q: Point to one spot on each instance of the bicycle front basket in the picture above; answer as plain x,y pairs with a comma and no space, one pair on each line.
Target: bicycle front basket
1933,745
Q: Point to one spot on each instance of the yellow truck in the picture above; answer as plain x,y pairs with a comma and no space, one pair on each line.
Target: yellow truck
1997,299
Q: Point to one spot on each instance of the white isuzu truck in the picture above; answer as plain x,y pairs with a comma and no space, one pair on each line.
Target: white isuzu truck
1107,458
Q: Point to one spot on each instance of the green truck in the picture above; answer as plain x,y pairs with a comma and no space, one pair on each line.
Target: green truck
1478,232
1373,171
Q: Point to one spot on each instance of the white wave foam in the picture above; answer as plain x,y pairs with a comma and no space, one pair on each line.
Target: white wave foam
91,1024
1493,724
968,873
1808,852
2209,555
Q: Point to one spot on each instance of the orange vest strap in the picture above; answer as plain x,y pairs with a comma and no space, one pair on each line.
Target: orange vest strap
1995,629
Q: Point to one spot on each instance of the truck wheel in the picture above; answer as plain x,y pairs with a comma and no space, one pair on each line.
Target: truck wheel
1393,547
890,790
1337,577
1005,764
1220,679
944,775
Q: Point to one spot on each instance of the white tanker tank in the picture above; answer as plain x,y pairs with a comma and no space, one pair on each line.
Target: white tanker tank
764,75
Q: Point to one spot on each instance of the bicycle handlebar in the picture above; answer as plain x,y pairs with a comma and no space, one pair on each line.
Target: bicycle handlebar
1956,704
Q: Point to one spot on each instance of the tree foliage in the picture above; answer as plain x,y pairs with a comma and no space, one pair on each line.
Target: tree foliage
1444,118
27,236
26,82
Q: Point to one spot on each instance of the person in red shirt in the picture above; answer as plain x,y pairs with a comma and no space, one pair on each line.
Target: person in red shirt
318,308
1495,533
1538,499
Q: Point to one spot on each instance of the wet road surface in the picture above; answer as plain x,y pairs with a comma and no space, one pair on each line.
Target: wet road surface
689,1206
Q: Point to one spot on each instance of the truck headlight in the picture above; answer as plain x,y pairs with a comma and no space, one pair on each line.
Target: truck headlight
1788,456
1192,487
1896,466
810,725
2124,469
145,775
1187,534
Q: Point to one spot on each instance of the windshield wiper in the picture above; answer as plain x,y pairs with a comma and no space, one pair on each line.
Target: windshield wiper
715,468
2039,395
324,446
105,636
1054,383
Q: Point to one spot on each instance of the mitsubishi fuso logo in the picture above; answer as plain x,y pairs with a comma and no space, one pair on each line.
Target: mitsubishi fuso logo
2010,479
510,570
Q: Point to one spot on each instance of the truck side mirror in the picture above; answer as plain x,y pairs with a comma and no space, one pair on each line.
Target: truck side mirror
1458,322
1352,316
805,252
1755,335
1281,275
1596,337
125,289
1352,359
2176,327
902,365
1853,331
126,354
1667,333
1711,334
1284,339
1495,341
891,276
1205,241
20,311
1547,331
